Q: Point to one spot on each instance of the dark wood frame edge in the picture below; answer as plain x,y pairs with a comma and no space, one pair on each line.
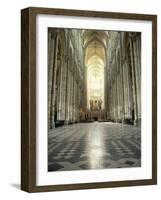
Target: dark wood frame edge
28,98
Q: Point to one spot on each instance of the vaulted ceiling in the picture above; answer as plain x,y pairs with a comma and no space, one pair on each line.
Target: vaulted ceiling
95,43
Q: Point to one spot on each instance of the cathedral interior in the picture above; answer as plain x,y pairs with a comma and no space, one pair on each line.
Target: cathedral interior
94,99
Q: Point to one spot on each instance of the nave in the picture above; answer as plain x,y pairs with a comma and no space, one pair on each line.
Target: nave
94,99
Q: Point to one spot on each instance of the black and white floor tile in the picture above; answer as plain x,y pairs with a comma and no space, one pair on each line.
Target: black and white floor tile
94,146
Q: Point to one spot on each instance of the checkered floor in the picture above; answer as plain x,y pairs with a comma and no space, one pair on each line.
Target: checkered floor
94,146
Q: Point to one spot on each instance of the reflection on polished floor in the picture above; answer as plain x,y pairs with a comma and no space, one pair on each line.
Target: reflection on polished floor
97,145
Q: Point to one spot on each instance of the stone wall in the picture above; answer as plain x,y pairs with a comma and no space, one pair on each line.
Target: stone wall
124,77
65,76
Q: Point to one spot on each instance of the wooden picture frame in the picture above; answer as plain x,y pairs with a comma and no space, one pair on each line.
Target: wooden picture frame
28,98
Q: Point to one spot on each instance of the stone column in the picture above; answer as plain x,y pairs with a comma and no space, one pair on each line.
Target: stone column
138,78
74,94
71,95
122,104
134,87
112,99
116,92
122,91
118,95
77,99
122,77
85,99
61,104
51,49
127,93
67,59
105,83
125,86
53,84
67,87
115,100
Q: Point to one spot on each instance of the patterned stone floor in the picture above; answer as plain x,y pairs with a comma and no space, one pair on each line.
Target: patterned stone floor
94,146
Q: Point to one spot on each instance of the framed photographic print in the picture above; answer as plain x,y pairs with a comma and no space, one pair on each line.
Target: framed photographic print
88,99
